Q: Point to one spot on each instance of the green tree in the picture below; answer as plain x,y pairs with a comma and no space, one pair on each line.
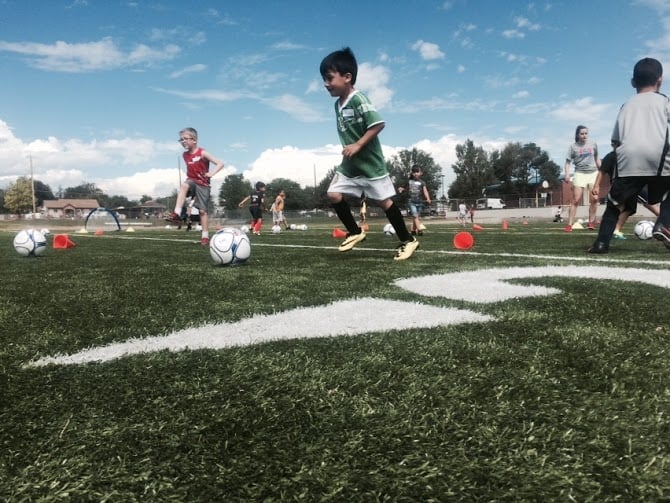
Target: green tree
297,198
473,171
399,167
233,189
42,192
19,196
319,199
520,168
85,191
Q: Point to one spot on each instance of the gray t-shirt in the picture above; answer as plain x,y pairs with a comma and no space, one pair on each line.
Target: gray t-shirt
583,156
641,131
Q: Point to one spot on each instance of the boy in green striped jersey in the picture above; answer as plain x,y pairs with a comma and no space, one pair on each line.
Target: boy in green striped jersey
363,168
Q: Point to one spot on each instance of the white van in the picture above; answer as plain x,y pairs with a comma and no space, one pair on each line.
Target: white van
490,204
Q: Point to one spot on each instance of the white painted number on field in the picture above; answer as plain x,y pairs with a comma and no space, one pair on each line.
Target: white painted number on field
367,315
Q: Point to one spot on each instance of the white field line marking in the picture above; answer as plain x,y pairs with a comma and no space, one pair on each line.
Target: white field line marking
486,286
345,318
582,257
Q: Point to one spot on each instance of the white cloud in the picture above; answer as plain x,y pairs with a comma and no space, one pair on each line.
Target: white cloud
428,50
188,70
373,81
295,107
90,56
522,22
513,34
580,110
300,165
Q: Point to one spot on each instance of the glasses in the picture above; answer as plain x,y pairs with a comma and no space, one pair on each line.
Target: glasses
185,139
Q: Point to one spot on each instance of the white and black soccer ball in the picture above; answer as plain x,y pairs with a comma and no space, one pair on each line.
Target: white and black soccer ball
245,229
644,229
389,230
276,229
30,243
229,246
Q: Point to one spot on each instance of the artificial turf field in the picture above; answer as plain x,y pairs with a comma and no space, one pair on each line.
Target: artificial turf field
521,370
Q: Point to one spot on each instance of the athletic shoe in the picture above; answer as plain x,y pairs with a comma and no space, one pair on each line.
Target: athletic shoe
351,241
204,241
568,228
173,218
592,226
662,233
618,235
599,247
406,250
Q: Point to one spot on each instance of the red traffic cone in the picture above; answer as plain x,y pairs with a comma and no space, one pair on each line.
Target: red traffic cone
63,241
339,233
505,225
463,241
477,227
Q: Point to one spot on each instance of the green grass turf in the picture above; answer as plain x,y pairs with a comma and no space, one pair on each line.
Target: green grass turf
561,398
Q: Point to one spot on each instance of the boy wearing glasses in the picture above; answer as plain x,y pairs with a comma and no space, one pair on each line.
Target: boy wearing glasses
197,180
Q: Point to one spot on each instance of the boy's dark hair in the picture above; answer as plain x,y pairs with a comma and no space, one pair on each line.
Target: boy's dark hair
342,62
646,72
415,169
259,185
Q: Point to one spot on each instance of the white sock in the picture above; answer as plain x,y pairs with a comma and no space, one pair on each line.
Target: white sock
205,234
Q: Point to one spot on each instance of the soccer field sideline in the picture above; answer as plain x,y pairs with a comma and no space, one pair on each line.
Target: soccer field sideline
580,253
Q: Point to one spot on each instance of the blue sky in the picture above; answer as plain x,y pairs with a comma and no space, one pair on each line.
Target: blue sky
97,90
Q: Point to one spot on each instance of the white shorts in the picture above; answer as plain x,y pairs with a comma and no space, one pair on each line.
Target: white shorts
277,216
377,189
584,180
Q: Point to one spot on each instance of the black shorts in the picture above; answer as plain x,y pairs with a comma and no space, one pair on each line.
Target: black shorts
626,191
256,212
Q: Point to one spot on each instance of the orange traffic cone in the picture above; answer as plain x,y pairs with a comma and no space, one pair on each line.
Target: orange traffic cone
463,241
63,241
505,225
99,232
339,233
525,222
477,227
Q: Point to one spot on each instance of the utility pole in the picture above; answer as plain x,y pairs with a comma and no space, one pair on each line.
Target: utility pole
32,185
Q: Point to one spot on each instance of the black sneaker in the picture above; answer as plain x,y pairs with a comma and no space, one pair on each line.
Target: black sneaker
599,247
661,233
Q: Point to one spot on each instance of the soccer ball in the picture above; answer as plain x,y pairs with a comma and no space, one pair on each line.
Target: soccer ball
389,230
276,229
643,229
229,246
245,229
30,243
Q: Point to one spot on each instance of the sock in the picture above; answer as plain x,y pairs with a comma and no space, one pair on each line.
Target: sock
177,210
205,234
398,223
608,223
343,211
664,213
258,225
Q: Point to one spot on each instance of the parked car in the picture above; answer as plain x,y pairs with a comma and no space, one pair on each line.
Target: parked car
489,203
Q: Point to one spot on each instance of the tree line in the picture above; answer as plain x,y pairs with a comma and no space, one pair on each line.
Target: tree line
515,169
